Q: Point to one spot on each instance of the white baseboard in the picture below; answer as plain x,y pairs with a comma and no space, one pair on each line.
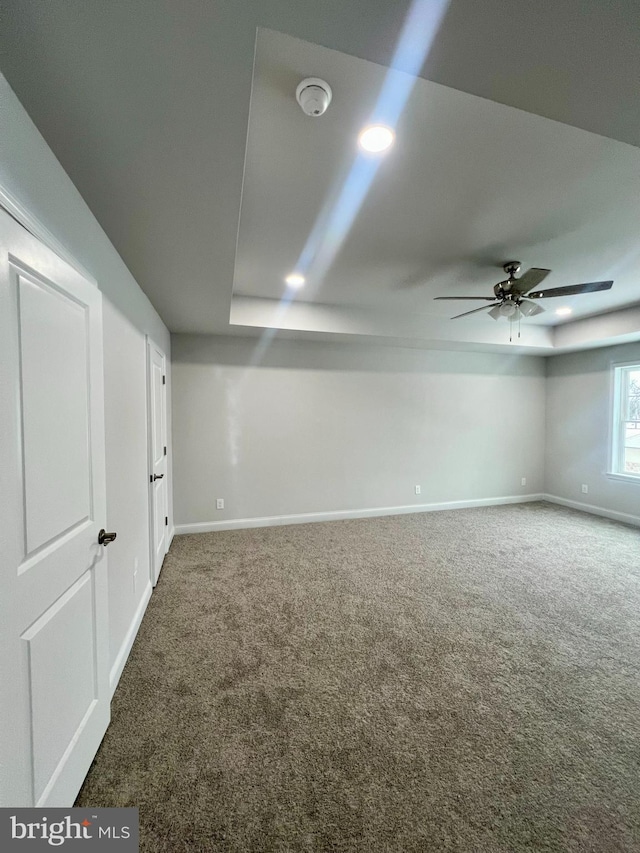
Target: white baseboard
123,654
338,515
594,510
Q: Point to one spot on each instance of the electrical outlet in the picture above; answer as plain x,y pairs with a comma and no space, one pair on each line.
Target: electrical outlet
418,490
523,481
585,489
220,503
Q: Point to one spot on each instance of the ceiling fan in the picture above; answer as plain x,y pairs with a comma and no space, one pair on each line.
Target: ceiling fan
508,299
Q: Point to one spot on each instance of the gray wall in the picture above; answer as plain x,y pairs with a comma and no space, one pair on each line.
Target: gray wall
578,429
30,173
316,427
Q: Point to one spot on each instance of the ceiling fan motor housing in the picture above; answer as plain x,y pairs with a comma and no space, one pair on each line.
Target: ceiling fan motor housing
504,288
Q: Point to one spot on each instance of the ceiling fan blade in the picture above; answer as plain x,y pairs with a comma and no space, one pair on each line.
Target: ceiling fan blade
589,287
475,310
485,298
528,280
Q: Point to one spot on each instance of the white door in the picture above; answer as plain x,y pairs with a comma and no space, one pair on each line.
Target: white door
54,686
158,501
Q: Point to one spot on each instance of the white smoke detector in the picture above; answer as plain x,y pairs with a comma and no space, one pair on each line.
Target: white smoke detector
314,96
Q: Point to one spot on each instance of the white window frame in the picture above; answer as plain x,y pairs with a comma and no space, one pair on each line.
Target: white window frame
620,371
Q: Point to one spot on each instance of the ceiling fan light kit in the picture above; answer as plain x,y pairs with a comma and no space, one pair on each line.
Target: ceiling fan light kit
509,296
529,309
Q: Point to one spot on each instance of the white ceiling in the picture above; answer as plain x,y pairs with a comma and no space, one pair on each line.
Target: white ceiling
146,106
468,185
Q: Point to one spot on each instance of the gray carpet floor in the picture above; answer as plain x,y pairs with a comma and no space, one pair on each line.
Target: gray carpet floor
451,681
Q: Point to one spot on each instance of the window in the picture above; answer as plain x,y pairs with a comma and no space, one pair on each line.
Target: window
626,421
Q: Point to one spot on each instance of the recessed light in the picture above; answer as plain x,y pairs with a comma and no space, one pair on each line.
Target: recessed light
376,138
563,312
295,280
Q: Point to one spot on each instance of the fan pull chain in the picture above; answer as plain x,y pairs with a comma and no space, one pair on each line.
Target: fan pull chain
511,322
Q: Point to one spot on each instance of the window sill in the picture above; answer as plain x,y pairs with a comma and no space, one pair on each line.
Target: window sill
626,478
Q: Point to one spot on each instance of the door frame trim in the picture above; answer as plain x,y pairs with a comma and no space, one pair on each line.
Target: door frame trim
15,208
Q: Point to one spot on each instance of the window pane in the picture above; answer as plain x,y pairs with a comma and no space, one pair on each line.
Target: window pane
631,453
633,399
632,448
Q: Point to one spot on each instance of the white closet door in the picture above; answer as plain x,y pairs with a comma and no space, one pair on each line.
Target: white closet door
54,692
157,456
